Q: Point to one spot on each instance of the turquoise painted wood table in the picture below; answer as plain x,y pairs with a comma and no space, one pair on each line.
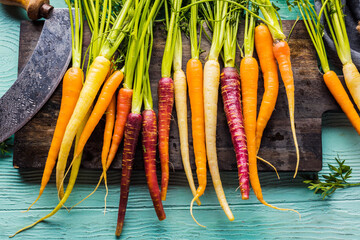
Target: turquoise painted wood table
337,217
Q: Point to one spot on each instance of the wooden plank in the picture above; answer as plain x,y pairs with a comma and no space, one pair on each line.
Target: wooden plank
312,100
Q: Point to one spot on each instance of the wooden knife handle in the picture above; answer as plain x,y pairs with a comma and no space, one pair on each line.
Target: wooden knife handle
35,8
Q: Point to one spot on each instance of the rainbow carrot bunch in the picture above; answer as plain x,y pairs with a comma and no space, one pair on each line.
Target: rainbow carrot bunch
315,30
81,122
137,66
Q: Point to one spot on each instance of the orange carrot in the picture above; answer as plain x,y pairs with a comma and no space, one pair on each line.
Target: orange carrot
264,50
337,90
194,72
282,54
109,127
249,73
72,84
102,103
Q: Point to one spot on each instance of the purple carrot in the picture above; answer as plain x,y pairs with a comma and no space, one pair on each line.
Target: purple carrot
149,141
166,102
132,130
230,90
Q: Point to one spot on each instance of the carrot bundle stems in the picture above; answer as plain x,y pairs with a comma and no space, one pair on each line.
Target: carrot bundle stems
230,90
166,102
132,131
149,141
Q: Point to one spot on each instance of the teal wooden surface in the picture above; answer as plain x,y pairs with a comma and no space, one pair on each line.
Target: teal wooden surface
335,218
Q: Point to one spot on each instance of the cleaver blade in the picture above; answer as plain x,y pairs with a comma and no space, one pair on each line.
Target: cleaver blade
40,76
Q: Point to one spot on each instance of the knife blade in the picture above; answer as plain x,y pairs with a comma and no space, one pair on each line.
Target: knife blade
40,77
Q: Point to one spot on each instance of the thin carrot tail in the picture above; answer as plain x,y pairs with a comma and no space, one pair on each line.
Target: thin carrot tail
268,163
97,186
166,102
191,210
40,193
277,208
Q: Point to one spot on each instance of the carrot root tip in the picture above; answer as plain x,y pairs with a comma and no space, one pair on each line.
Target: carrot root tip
191,211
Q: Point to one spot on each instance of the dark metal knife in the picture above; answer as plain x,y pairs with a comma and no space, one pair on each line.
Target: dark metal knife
40,76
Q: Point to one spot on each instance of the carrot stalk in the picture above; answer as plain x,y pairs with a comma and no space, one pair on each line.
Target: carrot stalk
166,102
194,72
264,50
149,141
109,127
282,54
166,96
230,89
210,90
72,84
132,130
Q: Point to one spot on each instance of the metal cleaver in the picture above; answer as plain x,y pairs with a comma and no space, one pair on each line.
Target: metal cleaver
44,70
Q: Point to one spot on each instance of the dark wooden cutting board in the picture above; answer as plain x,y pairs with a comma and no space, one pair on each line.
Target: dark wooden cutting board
312,99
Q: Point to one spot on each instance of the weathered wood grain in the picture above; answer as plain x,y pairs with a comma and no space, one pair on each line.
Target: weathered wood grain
312,100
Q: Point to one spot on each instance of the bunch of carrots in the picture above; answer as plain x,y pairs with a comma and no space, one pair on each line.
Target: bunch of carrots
129,111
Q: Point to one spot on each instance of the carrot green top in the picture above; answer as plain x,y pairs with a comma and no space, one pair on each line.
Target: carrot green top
148,101
249,34
220,11
143,17
230,41
336,23
315,30
193,31
171,39
140,74
76,32
271,17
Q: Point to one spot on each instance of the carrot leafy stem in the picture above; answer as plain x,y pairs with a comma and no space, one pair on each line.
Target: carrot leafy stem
337,178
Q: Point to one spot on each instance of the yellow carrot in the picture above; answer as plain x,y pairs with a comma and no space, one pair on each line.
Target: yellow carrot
94,79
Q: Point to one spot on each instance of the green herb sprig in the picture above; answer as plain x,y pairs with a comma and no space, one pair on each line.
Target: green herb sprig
4,147
333,181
